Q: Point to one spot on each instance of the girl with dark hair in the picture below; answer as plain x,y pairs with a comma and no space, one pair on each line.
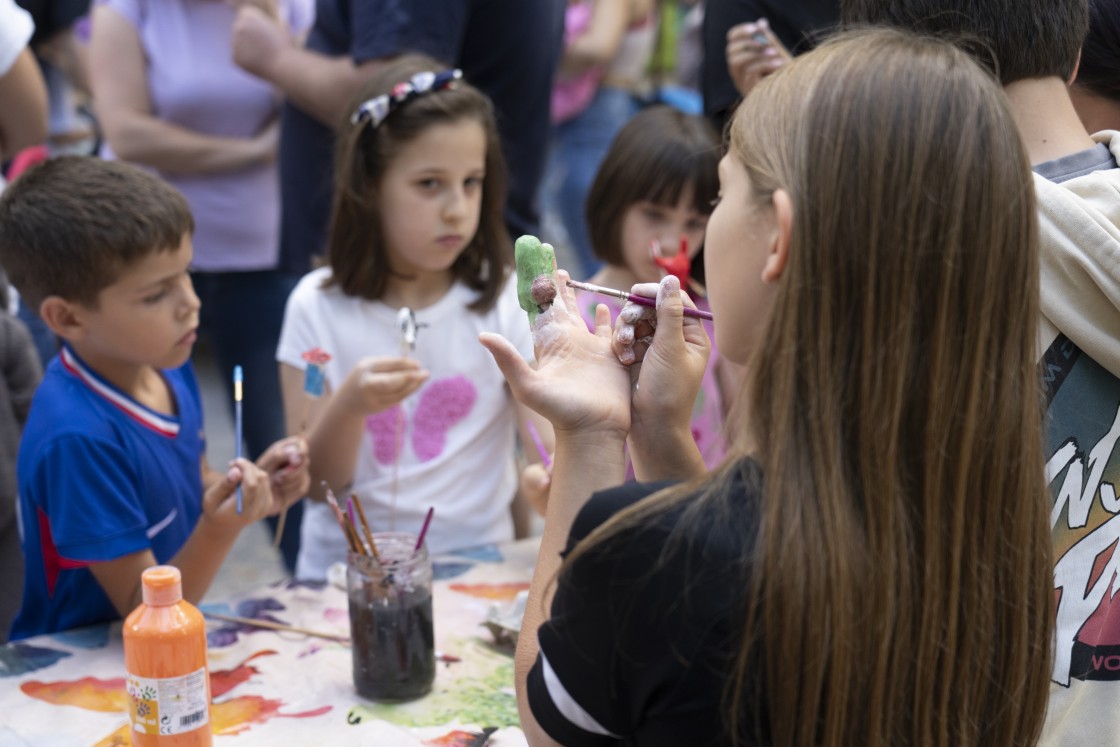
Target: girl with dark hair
650,201
872,563
418,264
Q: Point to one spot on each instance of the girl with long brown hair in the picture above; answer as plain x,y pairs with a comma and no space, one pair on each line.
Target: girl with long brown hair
871,565
412,415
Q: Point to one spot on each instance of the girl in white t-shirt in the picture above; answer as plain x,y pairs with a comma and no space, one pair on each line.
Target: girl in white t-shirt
414,413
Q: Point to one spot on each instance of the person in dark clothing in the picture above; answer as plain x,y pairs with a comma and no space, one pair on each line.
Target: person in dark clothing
796,25
872,563
508,49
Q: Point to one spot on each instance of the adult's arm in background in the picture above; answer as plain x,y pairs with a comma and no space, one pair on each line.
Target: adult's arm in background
23,94
600,42
119,78
321,85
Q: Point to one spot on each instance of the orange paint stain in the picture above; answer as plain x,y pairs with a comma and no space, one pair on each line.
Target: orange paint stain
224,680
460,738
110,696
497,592
119,738
229,718
239,714
90,693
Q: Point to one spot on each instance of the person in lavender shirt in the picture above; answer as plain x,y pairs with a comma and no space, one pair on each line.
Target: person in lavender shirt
169,97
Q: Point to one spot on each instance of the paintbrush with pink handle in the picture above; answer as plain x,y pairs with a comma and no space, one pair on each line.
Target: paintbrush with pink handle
640,300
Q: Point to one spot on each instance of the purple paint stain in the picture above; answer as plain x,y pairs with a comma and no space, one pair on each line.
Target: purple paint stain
442,404
382,429
253,607
302,583
228,632
221,637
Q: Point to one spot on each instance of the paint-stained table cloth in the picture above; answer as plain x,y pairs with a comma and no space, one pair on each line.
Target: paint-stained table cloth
282,688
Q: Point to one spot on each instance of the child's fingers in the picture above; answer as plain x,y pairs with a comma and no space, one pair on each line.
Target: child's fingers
634,323
670,313
566,292
389,364
603,320
256,492
286,454
631,312
222,490
288,485
394,386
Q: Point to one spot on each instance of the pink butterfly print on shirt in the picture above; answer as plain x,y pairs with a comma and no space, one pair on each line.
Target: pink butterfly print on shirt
442,404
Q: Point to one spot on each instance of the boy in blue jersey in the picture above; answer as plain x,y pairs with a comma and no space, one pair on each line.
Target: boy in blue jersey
112,471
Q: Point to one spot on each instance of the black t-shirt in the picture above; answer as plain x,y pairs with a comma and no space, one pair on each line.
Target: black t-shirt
644,630
509,49
796,23
52,16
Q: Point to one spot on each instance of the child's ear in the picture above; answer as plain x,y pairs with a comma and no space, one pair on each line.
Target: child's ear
65,318
783,230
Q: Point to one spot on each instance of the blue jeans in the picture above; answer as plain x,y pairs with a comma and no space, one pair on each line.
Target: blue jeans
579,146
240,320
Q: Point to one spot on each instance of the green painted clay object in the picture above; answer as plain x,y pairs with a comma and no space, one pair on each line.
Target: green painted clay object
534,259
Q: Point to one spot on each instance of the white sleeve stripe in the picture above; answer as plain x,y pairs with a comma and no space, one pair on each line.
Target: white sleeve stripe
566,705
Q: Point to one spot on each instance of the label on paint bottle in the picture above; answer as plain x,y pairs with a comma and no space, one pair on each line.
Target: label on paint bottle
173,705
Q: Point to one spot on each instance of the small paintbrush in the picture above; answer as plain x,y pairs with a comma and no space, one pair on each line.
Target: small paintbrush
238,379
640,300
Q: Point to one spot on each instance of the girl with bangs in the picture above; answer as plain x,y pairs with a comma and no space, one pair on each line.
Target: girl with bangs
413,414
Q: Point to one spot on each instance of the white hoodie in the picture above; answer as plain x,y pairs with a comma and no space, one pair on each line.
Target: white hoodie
1080,361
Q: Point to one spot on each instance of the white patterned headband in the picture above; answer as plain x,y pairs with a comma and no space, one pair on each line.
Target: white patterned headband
378,108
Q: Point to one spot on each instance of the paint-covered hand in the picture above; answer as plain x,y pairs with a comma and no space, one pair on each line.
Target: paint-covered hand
219,502
577,383
287,464
666,353
377,383
536,263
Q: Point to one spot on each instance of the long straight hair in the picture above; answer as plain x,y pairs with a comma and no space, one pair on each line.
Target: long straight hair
900,581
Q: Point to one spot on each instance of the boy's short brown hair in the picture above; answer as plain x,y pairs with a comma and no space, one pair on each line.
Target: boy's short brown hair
70,225
1026,38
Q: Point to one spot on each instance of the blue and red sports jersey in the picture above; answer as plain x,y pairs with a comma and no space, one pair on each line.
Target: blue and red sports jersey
100,477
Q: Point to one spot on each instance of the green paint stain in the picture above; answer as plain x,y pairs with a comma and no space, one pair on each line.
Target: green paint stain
480,701
533,258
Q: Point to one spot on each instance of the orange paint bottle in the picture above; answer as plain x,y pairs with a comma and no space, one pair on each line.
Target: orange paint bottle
165,657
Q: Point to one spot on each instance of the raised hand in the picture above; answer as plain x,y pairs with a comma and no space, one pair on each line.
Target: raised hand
667,353
753,52
578,383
